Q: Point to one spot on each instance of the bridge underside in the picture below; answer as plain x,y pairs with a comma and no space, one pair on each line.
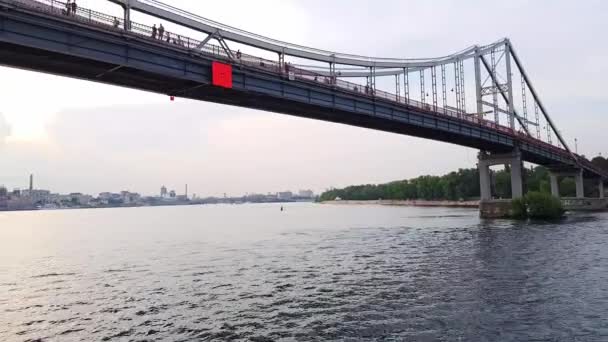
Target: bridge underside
84,68
48,44
91,70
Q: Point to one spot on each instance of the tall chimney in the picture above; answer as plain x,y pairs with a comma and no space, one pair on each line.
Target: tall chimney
31,182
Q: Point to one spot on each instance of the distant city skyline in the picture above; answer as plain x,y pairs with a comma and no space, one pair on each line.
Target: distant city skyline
83,136
33,198
163,191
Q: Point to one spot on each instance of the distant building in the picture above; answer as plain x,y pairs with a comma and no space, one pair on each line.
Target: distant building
256,198
163,191
125,196
80,199
19,203
306,193
57,198
105,196
172,193
128,197
285,195
36,196
3,198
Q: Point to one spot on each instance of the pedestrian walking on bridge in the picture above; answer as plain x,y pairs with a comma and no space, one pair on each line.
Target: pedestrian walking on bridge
161,32
74,8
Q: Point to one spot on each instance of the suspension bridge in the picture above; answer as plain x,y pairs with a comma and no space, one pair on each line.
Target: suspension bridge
480,97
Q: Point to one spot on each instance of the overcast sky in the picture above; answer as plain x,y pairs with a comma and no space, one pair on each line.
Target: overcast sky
87,137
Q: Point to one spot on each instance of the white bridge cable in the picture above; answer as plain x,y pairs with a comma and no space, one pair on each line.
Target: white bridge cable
208,26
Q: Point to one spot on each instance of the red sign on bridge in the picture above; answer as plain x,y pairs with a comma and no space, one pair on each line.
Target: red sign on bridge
221,75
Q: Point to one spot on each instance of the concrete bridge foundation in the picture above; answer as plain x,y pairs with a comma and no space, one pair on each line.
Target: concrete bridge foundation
580,202
485,160
578,179
495,208
585,204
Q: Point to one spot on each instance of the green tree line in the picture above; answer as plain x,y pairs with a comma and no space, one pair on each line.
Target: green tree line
459,185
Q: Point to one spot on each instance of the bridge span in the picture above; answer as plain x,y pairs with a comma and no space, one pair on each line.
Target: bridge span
480,97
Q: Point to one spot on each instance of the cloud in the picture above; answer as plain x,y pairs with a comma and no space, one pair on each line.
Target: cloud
5,129
215,149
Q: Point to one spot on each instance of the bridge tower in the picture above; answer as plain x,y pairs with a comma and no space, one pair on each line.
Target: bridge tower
500,84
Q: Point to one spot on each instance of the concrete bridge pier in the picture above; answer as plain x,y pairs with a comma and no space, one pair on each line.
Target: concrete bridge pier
495,208
580,202
578,179
554,184
513,159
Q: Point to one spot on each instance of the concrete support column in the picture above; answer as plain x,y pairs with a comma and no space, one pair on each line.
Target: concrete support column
489,208
513,159
517,189
580,190
484,179
554,185
601,188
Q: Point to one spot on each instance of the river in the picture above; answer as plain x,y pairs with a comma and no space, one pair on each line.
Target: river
310,273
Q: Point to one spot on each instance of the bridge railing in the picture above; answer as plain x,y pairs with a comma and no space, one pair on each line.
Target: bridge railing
106,21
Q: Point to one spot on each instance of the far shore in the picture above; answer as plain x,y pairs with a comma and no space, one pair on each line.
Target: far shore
410,203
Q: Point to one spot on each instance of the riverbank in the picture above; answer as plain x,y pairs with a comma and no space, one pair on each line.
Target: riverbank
410,203
124,206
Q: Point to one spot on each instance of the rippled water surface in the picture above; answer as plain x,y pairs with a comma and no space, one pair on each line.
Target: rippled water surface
310,273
